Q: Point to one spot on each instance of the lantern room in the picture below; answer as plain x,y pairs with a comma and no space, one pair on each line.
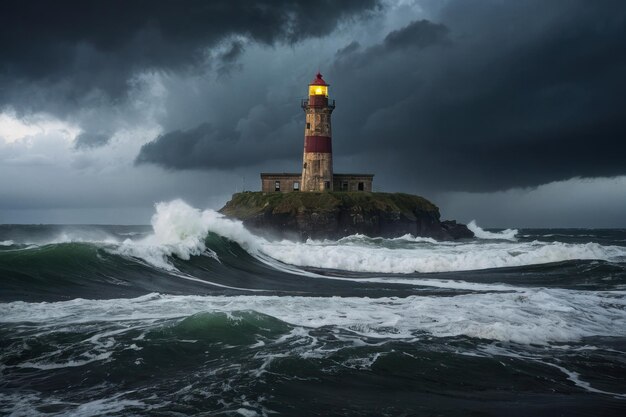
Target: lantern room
318,86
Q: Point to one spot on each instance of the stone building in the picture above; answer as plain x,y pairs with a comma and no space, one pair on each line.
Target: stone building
317,160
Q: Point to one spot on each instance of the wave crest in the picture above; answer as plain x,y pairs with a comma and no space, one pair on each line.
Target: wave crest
530,316
436,258
508,234
180,230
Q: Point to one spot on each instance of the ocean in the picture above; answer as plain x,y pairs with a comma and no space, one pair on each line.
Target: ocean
195,315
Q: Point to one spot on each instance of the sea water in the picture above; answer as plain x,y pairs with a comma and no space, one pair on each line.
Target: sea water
196,315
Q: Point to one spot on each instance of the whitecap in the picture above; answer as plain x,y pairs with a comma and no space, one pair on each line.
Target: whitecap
435,258
527,316
180,230
508,234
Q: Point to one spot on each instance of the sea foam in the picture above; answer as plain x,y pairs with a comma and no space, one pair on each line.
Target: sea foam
526,316
508,234
180,230
435,258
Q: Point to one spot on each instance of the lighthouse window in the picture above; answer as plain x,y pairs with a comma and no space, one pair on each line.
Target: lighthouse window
318,90
277,186
308,125
326,185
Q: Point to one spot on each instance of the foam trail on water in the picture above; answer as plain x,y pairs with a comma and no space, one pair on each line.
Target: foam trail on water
359,238
180,230
508,234
527,316
437,258
492,350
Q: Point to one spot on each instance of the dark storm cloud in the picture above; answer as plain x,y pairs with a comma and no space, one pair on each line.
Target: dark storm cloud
206,146
494,95
90,140
485,95
78,46
507,94
418,34
231,55
229,58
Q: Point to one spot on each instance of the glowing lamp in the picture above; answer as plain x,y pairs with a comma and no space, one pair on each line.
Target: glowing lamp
318,87
318,90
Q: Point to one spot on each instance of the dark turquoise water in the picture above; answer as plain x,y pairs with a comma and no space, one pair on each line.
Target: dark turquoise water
195,316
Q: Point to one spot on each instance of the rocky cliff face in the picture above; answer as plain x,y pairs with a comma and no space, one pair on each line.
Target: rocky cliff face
332,215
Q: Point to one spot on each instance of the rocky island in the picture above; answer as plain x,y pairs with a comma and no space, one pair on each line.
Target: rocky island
333,215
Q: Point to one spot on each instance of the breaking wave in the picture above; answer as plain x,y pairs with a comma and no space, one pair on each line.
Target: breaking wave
530,316
180,232
196,314
436,258
508,234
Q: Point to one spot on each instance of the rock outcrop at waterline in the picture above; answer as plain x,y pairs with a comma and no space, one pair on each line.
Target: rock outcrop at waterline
333,215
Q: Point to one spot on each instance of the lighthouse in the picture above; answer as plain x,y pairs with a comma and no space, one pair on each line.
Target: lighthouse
317,161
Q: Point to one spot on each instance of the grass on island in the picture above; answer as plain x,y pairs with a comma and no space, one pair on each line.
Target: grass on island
248,204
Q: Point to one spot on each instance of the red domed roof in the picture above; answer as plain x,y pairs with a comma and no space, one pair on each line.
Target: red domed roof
318,80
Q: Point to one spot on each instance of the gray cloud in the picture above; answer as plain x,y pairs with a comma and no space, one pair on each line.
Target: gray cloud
504,97
418,34
90,140
598,202
210,147
481,96
199,147
75,47
492,97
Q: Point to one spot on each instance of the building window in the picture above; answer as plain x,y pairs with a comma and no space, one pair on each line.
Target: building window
344,186
277,186
296,186
327,185
361,186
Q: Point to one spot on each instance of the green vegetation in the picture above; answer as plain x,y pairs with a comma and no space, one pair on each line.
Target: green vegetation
249,204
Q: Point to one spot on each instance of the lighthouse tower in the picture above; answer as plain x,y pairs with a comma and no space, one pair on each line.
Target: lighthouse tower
317,162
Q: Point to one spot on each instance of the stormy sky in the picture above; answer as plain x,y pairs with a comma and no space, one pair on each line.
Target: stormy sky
512,113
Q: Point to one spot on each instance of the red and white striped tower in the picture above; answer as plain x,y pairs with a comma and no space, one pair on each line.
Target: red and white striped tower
317,162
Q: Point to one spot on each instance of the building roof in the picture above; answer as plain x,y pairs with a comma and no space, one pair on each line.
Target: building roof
280,174
353,175
291,174
318,80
